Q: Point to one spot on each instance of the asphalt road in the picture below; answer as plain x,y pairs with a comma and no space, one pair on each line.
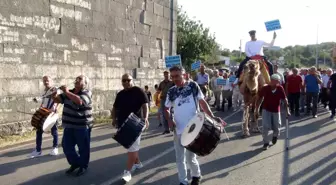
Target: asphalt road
311,158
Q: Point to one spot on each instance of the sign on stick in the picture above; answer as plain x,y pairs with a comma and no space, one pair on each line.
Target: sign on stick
221,81
172,61
196,65
273,25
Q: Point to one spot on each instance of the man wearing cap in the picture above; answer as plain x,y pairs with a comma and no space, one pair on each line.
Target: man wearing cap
254,50
271,95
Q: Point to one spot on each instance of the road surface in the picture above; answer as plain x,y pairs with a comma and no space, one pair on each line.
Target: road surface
311,158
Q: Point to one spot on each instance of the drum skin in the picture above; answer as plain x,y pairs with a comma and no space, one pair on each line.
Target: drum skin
38,117
206,141
129,132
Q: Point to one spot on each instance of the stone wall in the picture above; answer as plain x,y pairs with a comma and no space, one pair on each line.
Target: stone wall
65,38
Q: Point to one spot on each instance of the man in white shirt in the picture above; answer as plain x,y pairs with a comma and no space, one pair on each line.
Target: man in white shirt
254,49
324,94
185,97
227,92
48,103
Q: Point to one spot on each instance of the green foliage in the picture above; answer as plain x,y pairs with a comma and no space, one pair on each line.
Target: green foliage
194,42
304,55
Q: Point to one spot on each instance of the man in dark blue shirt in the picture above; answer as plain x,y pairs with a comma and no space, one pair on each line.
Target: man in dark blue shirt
311,83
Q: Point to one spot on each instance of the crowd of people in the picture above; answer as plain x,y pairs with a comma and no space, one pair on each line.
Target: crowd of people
177,98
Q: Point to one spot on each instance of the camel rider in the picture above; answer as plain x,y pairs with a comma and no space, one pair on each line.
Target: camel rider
254,50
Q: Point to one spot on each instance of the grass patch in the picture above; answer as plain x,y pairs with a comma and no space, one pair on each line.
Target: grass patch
27,136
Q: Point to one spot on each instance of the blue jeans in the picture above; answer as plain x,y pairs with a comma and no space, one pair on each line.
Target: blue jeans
183,158
54,134
81,138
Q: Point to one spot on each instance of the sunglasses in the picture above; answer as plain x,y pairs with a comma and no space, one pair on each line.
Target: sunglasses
126,80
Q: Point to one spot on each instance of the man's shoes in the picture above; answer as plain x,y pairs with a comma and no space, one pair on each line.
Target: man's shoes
266,146
81,172
332,116
274,140
136,166
54,151
195,181
127,176
166,132
71,169
35,154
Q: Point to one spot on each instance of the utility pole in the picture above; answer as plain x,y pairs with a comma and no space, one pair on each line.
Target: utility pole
171,34
240,49
316,62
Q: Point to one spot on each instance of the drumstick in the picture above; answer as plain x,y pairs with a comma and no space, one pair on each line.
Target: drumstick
226,134
25,112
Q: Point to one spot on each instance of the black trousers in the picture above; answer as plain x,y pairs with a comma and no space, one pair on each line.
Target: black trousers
242,64
324,96
294,102
332,103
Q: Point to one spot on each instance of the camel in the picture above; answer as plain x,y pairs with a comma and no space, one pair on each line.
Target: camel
253,78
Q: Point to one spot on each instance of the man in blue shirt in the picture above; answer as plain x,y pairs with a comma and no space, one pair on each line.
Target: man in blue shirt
311,83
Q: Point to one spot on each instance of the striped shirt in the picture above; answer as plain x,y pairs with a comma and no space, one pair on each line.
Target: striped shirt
77,116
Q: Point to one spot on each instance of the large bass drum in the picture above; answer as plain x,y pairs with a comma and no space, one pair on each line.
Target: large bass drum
201,136
129,131
43,119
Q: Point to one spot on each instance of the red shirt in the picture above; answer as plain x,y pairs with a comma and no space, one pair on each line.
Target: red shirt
272,100
294,83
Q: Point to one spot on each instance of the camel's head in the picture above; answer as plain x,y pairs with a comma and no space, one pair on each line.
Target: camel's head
253,66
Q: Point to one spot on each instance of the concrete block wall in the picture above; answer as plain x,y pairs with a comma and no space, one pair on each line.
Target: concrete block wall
65,38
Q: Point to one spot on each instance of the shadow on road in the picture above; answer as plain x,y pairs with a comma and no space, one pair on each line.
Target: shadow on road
99,170
227,162
299,131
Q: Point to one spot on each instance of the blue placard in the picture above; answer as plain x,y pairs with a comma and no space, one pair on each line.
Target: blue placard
273,25
221,81
232,79
196,65
172,61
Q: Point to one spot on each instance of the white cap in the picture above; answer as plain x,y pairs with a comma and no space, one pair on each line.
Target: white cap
276,77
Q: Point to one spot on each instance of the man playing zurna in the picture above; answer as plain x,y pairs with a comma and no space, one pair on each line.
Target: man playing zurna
254,50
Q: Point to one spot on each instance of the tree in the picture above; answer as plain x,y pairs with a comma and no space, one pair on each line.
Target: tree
194,42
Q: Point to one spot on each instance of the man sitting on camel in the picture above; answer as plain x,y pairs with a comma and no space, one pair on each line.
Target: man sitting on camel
254,51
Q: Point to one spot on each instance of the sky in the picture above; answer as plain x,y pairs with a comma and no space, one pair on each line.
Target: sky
231,20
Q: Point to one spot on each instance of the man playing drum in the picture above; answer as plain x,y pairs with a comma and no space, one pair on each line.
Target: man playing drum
184,97
254,50
49,104
131,99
